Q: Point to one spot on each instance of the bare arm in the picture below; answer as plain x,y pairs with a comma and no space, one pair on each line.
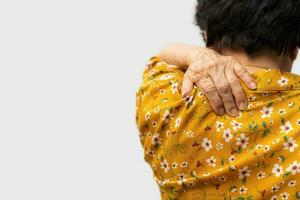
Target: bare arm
179,54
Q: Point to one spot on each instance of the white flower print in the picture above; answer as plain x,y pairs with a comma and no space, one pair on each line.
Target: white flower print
200,94
227,135
280,159
233,189
275,141
267,111
156,139
174,85
166,115
251,98
285,195
150,153
243,189
194,173
184,164
161,182
166,77
235,125
277,170
219,146
294,168
286,127
206,174
275,188
233,168
219,125
211,161
282,111
231,158
206,143
174,165
298,122
168,133
283,81
165,165
154,167
181,178
162,91
178,121
242,141
188,100
258,146
244,172
265,94
274,197
165,100
292,183
156,110
261,175
290,144
291,104
190,134
266,148
222,178
191,183
148,115
154,124
240,115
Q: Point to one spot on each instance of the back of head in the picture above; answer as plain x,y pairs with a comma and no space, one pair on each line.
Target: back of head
251,25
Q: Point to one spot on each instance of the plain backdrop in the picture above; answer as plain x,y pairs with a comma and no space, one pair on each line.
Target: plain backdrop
69,71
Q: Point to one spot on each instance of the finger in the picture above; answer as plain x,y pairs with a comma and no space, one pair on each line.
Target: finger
224,91
244,75
187,86
236,88
209,90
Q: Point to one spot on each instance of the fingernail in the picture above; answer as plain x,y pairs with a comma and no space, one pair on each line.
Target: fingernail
184,93
253,85
234,111
243,106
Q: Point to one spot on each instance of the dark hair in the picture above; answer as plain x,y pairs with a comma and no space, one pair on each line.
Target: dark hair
251,25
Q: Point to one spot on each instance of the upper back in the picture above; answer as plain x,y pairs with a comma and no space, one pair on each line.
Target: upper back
175,131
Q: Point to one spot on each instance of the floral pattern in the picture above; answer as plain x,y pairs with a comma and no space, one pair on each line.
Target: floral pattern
195,154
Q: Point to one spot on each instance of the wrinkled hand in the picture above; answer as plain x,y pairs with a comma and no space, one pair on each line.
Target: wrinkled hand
218,77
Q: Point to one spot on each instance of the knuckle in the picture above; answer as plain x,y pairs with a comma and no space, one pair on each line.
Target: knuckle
210,89
224,89
215,101
234,83
241,70
240,98
229,106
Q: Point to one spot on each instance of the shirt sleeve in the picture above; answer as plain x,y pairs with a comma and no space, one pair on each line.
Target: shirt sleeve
160,108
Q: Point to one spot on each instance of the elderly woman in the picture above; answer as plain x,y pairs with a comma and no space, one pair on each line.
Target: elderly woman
226,139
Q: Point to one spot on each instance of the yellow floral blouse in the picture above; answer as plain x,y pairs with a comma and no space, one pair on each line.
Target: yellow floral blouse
195,154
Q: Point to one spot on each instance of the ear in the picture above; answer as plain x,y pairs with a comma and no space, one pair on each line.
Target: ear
294,54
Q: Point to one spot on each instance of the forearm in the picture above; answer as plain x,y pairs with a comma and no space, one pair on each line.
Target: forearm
178,54
183,55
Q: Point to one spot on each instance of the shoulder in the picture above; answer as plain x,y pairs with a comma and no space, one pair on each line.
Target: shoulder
157,69
160,93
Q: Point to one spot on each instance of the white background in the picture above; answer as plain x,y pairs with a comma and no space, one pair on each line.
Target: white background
69,71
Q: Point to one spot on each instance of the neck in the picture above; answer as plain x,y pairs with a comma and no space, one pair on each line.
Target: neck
265,59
